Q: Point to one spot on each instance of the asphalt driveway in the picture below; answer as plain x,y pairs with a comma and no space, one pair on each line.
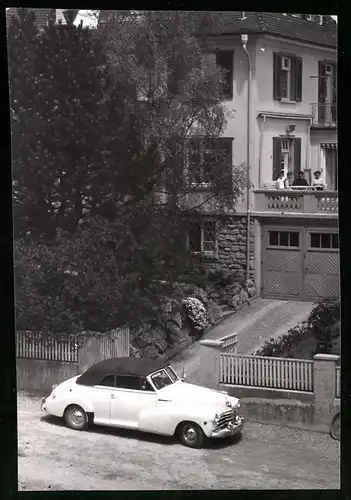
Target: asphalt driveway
263,319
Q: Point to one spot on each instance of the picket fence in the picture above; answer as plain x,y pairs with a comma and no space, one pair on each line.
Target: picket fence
48,347
31,345
337,382
263,371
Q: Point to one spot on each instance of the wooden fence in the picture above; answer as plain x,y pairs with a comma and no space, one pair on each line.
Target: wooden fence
337,382
262,371
34,346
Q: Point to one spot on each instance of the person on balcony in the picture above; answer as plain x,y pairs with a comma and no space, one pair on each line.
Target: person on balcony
280,181
317,182
288,182
300,181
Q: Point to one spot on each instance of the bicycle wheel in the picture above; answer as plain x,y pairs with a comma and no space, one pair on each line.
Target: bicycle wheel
335,427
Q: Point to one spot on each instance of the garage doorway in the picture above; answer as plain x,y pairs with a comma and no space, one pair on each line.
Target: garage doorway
300,263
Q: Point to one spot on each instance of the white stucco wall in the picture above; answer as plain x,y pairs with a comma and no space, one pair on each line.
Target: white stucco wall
262,101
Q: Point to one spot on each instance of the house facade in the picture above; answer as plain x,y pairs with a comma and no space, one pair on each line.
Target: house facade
284,119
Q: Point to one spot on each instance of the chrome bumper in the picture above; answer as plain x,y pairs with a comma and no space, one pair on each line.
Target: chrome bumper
43,404
231,429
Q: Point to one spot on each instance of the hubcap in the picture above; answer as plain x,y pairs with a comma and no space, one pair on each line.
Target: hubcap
190,434
77,417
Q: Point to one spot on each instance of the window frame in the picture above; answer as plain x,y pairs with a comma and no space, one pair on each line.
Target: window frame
127,388
228,93
108,386
295,80
320,249
289,247
209,253
202,149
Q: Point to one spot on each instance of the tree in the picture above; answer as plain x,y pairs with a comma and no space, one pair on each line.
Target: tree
113,113
57,80
164,66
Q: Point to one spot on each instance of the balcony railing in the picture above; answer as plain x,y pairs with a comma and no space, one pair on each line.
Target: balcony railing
304,202
324,115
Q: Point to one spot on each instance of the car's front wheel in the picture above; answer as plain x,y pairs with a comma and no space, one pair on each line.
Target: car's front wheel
76,418
191,434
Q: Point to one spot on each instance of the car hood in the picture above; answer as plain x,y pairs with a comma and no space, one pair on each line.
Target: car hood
184,392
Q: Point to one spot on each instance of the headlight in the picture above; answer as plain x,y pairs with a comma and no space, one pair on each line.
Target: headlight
238,405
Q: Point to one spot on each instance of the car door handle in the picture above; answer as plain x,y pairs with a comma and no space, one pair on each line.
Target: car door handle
113,396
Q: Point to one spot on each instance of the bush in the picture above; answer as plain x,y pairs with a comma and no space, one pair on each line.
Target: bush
196,313
319,334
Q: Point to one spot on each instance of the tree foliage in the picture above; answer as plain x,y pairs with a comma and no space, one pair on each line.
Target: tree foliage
101,124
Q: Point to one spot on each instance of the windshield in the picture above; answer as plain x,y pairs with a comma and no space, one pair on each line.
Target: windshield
161,379
172,374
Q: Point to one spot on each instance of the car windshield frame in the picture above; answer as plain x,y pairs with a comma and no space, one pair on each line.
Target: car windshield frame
154,374
168,367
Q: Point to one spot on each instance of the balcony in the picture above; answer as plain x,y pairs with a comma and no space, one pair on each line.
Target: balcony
296,203
324,115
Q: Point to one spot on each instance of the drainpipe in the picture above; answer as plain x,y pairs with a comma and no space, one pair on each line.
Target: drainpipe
244,39
261,147
308,149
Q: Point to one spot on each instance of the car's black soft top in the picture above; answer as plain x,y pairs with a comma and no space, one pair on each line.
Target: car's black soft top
120,366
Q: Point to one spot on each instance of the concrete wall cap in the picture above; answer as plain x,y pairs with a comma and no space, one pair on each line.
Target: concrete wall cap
326,357
211,343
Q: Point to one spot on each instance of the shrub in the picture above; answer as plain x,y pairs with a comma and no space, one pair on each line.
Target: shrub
319,334
196,313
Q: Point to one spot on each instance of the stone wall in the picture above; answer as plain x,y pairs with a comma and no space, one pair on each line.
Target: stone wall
232,246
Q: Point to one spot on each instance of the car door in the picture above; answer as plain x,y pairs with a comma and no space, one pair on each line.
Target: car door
133,397
101,399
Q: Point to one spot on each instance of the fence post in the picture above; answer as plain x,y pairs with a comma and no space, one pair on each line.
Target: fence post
324,388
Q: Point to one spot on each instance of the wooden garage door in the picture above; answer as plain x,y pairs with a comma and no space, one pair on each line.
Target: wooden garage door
322,267
282,263
300,263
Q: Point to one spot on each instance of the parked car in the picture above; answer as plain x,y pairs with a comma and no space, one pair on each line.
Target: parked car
146,395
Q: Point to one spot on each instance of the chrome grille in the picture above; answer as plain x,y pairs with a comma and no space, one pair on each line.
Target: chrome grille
225,418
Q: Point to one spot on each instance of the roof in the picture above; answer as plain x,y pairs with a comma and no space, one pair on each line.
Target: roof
41,16
120,366
272,23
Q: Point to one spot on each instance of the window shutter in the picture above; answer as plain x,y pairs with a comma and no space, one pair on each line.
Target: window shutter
224,59
277,151
334,84
277,69
298,79
297,155
228,147
321,82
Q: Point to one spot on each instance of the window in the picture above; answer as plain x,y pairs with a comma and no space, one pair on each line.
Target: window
329,165
224,60
108,381
161,379
202,236
284,238
145,385
204,156
314,18
128,382
324,240
286,156
287,77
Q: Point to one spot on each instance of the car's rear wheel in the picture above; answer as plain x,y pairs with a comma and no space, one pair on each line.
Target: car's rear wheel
76,418
191,434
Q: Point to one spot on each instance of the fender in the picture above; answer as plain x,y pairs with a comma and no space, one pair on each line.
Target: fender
165,418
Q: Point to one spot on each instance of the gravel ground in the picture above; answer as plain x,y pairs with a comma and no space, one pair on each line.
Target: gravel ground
53,457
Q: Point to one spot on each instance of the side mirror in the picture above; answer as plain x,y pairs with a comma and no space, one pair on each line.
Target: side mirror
183,376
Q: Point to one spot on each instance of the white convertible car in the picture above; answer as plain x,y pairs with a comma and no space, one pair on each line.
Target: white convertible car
146,395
